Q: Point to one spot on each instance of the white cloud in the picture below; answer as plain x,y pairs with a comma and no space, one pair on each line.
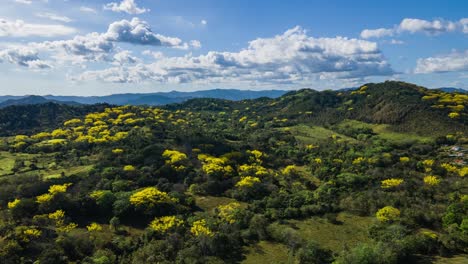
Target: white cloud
86,9
28,2
455,61
23,57
437,26
376,33
204,22
127,6
195,44
139,32
464,24
292,57
396,42
54,17
19,28
414,25
102,47
125,57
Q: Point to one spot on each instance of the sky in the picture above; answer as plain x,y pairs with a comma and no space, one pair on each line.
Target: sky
100,47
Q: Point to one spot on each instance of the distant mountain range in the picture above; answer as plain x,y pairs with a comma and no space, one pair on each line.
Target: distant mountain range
453,90
33,99
159,98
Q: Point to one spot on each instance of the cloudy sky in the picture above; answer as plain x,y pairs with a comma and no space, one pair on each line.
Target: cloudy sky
97,47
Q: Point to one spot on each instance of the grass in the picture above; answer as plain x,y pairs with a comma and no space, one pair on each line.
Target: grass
42,161
313,134
336,237
68,171
267,252
209,203
7,161
384,131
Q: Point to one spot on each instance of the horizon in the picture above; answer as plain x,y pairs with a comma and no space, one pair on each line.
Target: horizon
105,47
212,89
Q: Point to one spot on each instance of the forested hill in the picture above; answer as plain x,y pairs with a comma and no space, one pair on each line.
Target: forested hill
372,175
407,107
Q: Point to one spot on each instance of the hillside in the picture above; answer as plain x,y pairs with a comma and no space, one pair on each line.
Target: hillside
376,174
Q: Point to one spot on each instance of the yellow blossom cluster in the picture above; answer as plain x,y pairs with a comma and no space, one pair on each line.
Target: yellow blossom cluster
404,159
391,183
229,212
150,196
247,181
30,233
165,223
215,166
53,190
129,168
13,204
252,169
200,228
387,214
289,170
94,227
431,180
358,160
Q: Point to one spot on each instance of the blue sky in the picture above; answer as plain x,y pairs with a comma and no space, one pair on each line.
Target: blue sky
72,47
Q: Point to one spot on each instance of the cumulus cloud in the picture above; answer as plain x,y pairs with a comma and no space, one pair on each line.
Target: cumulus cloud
455,61
19,28
54,17
23,57
291,57
138,32
125,57
127,6
102,47
414,25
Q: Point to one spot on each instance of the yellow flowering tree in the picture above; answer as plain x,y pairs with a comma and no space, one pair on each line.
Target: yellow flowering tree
387,214
463,171
53,190
26,234
129,168
215,167
165,223
94,227
431,180
13,203
199,228
229,212
404,159
391,183
176,159
247,181
149,197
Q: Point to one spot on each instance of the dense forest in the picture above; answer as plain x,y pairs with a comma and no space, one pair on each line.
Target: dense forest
372,175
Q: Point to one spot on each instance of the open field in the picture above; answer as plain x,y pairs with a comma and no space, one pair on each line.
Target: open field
351,230
267,252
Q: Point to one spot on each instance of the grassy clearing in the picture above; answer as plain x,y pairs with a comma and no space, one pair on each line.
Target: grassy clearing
209,203
336,237
313,134
7,161
267,252
76,170
384,131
